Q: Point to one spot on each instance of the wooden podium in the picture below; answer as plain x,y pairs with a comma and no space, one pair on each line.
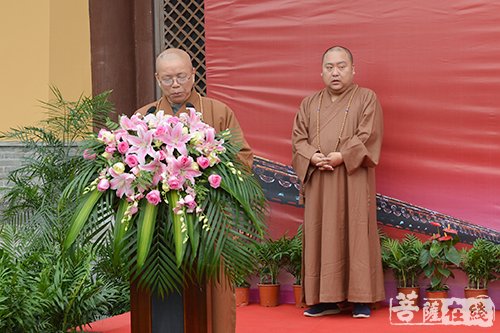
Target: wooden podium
185,312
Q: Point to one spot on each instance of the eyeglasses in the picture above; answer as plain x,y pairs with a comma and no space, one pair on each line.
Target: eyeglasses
180,79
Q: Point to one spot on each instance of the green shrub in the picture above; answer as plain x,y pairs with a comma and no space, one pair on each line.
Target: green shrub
42,288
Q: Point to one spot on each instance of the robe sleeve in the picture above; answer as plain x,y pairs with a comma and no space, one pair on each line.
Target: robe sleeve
363,148
302,150
245,155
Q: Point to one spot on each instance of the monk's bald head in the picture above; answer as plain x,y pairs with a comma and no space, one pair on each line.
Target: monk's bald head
173,54
339,48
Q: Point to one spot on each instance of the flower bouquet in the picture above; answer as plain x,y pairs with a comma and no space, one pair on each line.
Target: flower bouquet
182,201
437,254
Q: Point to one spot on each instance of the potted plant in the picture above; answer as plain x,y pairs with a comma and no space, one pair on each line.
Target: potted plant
438,254
481,264
270,257
293,264
242,286
403,258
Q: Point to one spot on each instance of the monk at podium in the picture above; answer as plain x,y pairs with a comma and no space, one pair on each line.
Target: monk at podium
175,75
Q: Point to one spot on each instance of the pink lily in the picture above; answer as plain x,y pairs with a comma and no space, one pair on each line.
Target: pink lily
141,144
184,167
193,120
133,123
175,139
122,183
156,168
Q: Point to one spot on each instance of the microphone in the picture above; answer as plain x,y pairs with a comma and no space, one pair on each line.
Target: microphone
151,110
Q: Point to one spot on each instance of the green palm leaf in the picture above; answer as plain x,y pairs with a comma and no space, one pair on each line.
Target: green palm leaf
82,214
146,224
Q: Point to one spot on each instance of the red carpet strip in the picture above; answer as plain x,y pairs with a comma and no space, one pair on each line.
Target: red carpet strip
287,318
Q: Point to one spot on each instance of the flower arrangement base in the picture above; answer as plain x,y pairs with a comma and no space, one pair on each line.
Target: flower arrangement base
153,314
242,296
297,293
474,293
269,294
407,291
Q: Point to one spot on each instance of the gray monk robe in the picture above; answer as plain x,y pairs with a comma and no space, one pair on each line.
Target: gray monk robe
341,244
220,296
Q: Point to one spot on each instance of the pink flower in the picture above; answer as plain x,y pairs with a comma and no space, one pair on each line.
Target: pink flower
131,161
203,162
110,149
132,123
122,183
123,147
120,133
184,168
214,180
103,185
106,136
189,203
193,119
174,138
156,168
133,209
174,183
162,155
88,155
173,121
160,130
154,197
142,144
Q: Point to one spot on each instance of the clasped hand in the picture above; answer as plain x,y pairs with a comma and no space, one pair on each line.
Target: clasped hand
326,163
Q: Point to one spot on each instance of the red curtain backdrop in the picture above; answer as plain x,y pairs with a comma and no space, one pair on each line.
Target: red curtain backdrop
435,66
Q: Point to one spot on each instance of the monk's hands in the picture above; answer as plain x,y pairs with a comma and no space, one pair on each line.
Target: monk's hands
327,163
335,159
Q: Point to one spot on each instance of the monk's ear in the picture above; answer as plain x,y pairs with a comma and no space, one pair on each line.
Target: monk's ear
353,71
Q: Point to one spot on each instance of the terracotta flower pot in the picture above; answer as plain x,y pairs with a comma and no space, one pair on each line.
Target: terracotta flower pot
437,294
407,291
269,294
474,293
242,295
297,293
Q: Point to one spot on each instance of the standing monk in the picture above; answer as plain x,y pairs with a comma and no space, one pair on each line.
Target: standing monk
175,76
337,137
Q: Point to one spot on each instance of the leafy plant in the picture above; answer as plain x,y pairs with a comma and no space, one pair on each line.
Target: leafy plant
271,257
293,262
21,303
42,288
45,291
438,253
241,280
481,263
403,258
53,160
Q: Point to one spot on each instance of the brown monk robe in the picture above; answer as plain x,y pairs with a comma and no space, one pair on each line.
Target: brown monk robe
341,244
219,295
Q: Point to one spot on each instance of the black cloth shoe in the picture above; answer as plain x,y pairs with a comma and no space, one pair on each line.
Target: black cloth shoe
361,310
322,309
